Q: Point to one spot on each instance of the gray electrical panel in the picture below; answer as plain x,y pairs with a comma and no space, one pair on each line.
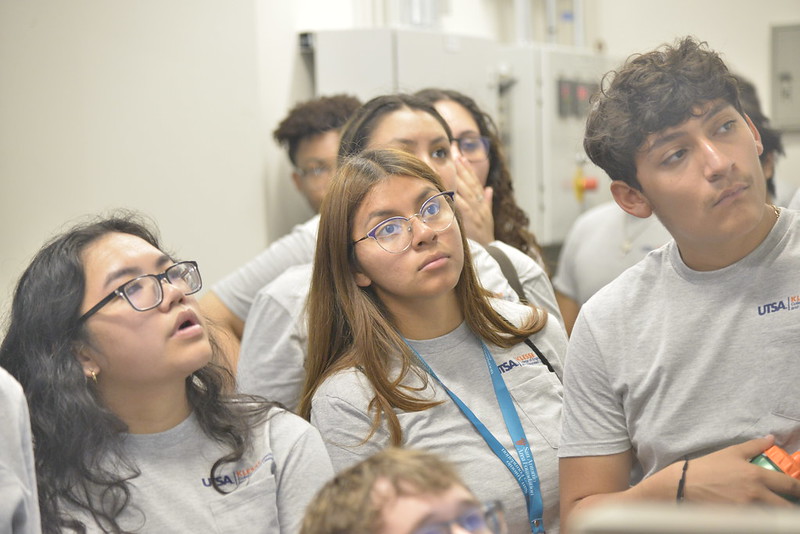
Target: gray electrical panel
785,77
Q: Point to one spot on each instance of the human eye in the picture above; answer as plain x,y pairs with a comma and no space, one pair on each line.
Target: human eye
432,207
674,157
472,520
469,144
441,153
389,229
136,287
727,126
139,291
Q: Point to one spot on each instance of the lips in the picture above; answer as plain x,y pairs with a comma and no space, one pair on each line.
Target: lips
185,320
730,192
433,259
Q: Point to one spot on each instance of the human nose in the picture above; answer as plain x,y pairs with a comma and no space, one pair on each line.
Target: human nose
716,162
455,149
170,293
421,233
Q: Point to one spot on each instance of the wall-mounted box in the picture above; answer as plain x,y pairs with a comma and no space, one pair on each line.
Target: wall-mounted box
785,77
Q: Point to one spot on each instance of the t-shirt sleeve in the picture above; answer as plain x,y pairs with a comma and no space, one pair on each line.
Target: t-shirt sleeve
273,351
19,505
303,468
564,280
238,290
593,420
339,411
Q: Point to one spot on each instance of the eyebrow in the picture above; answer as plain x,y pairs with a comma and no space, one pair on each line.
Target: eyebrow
414,142
133,271
705,117
427,193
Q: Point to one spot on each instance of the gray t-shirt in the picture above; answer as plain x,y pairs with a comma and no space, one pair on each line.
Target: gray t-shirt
19,502
269,487
274,343
340,411
238,289
601,244
671,362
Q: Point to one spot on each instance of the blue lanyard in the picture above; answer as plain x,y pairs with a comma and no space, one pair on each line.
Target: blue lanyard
526,475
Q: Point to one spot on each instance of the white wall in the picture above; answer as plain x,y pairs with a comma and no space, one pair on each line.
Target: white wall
106,104
152,105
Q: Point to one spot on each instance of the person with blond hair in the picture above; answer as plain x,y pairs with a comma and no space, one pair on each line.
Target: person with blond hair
400,491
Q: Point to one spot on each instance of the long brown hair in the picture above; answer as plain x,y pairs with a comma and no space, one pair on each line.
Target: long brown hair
349,326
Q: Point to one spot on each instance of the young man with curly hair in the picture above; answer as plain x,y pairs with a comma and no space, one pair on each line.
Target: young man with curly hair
685,367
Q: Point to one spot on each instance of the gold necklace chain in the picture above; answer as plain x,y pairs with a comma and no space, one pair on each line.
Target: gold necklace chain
777,211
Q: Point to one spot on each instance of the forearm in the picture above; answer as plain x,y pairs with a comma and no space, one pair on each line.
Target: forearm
601,487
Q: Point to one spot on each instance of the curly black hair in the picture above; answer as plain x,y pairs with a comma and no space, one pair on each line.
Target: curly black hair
314,117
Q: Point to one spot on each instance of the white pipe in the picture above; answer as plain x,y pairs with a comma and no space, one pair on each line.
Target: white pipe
522,21
552,19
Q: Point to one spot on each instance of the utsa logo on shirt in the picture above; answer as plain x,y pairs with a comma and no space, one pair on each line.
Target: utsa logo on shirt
526,359
237,476
787,304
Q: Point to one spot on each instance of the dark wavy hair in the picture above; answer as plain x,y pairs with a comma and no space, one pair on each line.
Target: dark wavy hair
510,221
78,448
651,92
314,117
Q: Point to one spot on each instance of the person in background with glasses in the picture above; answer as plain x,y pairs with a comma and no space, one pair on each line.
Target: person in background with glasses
400,491
488,191
310,134
134,425
407,349
274,344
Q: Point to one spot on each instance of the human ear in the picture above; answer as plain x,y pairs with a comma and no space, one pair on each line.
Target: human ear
84,355
756,134
362,280
630,199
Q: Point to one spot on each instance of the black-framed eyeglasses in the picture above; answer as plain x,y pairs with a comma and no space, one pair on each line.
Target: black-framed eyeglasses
483,519
394,235
145,292
473,147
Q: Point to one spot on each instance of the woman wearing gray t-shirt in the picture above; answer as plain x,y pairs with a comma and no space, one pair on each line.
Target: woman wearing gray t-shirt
132,412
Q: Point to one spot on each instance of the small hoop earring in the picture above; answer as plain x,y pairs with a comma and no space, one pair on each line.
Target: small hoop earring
94,377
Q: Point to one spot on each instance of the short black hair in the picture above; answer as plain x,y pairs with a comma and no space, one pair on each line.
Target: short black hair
314,117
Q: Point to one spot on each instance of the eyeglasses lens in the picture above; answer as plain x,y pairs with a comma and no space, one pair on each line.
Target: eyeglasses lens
145,292
474,148
185,276
488,519
395,235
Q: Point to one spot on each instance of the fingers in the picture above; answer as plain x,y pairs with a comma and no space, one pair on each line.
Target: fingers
468,183
754,447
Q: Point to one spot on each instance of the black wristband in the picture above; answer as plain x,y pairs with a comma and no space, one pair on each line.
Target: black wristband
682,483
